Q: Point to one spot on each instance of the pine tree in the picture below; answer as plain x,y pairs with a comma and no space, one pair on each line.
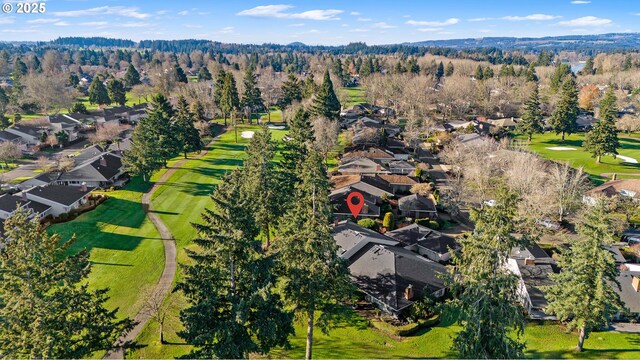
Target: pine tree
582,296
603,138
234,309
117,92
559,76
294,151
229,101
440,71
98,93
588,67
180,75
197,109
153,141
563,118
326,103
251,97
204,74
78,108
132,76
218,89
314,277
486,292
488,73
19,68
187,136
291,91
47,308
530,122
310,87
448,70
531,74
479,74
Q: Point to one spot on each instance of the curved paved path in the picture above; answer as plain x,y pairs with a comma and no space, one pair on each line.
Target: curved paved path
163,287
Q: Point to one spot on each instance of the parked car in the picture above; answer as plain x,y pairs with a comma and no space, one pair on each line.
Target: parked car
549,224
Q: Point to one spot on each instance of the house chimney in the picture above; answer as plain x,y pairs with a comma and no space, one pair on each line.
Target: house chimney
103,161
635,282
24,195
378,168
530,260
83,187
408,292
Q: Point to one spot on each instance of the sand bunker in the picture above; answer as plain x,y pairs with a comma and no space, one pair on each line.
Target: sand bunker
627,159
561,148
247,134
276,127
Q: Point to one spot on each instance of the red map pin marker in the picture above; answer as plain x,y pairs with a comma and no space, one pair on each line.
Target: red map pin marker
355,208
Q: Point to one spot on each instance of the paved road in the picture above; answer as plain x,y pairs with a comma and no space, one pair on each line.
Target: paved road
626,327
163,287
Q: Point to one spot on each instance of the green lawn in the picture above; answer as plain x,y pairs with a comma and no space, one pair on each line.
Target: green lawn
125,249
355,94
630,146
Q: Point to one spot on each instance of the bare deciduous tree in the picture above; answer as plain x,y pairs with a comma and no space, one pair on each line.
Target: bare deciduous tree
326,135
48,91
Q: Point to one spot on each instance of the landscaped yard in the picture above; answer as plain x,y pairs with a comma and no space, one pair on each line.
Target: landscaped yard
125,249
550,146
355,95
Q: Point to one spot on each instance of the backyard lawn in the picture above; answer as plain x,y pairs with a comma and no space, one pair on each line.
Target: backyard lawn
355,95
125,249
550,146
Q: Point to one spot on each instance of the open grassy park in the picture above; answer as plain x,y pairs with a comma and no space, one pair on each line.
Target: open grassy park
550,146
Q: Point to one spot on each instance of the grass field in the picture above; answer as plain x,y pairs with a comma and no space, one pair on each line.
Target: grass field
125,249
355,95
630,146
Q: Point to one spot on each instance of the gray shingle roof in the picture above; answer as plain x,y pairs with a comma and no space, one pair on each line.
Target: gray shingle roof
424,237
64,195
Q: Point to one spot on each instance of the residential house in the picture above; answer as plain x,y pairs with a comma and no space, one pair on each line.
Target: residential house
62,199
505,123
401,167
101,172
533,266
361,165
470,138
10,203
629,290
399,183
373,153
426,242
7,136
366,136
338,200
372,185
390,276
623,187
585,122
417,207
40,180
30,135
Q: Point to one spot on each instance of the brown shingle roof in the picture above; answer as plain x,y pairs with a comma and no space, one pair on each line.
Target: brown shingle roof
398,179
371,153
340,181
614,187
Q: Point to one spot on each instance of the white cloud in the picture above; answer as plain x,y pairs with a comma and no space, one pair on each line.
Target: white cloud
533,17
580,2
192,26
6,21
296,25
430,29
383,25
61,23
485,31
451,21
586,21
226,30
94,23
354,13
19,30
42,21
446,32
359,30
480,19
105,10
162,12
183,13
364,19
134,25
279,12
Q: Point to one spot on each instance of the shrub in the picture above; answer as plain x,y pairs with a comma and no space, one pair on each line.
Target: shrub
418,172
368,223
431,224
388,221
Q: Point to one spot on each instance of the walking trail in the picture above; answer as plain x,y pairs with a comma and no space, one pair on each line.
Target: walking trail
163,287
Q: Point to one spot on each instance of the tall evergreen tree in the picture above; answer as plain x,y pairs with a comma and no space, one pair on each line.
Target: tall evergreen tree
153,141
204,74
218,89
46,307
314,277
19,68
117,92
563,118
531,119
234,310
310,87
197,109
582,296
479,74
559,76
531,73
180,75
325,102
132,76
603,138
251,97
229,101
440,71
291,91
98,93
486,292
449,69
187,136
294,151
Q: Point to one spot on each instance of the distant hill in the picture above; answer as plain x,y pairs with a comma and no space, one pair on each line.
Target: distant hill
602,42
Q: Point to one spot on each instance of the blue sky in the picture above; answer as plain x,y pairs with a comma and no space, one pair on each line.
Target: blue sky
320,22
